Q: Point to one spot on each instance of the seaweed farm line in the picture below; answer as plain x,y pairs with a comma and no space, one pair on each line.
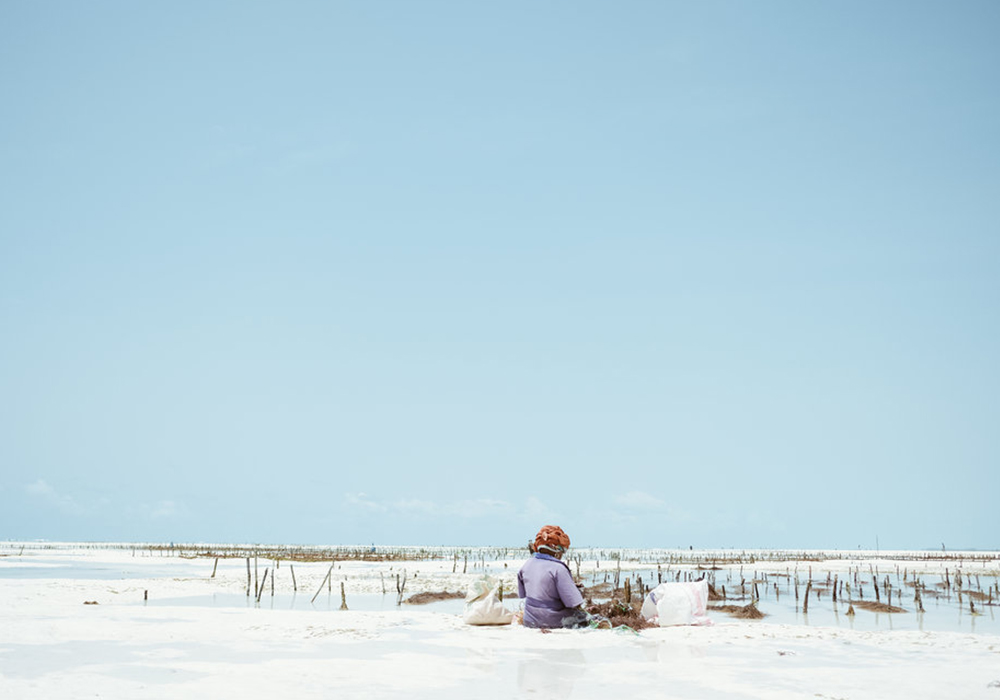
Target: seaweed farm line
679,557
863,596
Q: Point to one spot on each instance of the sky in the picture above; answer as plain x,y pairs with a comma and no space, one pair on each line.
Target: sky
666,274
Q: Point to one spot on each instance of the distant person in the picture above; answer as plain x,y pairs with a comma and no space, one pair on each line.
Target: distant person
551,598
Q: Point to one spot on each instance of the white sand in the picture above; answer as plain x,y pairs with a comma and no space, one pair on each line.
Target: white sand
53,646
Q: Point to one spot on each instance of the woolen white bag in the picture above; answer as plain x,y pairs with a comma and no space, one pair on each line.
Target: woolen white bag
684,603
483,605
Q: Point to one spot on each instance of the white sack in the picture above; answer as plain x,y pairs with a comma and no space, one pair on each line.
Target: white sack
483,605
678,604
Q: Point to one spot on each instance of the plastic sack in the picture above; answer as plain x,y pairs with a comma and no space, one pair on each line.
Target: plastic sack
483,605
672,604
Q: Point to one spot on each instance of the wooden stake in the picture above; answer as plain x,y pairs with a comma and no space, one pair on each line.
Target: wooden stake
295,587
343,597
260,590
215,567
400,587
322,583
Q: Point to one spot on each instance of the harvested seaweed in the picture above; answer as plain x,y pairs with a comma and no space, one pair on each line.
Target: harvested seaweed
741,612
432,597
617,613
873,606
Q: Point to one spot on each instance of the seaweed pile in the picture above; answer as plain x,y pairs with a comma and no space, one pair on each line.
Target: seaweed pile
617,613
741,612
874,606
432,597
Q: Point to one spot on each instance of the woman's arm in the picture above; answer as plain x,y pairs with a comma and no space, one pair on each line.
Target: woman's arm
568,592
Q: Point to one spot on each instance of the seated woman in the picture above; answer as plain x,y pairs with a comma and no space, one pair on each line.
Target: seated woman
551,598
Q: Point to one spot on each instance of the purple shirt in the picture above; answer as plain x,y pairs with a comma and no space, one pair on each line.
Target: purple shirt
547,588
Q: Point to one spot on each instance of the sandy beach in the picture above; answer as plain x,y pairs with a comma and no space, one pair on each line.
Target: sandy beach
91,635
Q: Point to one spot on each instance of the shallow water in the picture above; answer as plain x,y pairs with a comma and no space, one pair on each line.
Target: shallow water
938,617
362,602
941,614
59,569
945,613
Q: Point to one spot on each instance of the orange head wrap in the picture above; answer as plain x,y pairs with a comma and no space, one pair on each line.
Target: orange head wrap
551,538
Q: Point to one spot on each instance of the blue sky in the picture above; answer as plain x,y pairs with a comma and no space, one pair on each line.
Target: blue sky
719,274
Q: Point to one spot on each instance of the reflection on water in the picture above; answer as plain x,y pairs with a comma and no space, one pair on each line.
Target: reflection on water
550,673
937,618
